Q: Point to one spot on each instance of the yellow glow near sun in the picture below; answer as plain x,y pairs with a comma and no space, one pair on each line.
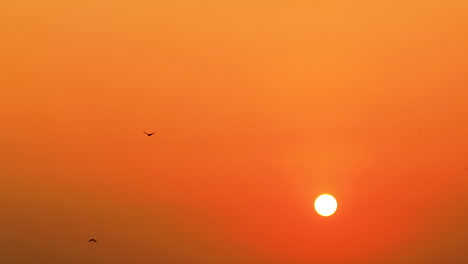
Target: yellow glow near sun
325,205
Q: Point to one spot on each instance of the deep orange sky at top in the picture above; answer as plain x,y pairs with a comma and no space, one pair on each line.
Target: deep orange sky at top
259,106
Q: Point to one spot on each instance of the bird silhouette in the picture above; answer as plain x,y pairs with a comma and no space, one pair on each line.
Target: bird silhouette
92,240
148,134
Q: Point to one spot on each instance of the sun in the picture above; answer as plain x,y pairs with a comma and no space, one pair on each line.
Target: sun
325,205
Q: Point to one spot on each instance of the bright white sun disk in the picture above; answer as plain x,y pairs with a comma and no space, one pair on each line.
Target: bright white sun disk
325,205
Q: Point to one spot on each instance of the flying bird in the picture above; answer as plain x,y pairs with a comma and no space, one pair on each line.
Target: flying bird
149,134
92,240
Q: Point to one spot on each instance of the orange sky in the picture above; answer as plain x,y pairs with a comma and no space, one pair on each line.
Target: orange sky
259,106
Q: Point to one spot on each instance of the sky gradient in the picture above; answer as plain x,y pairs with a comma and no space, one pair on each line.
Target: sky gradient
258,107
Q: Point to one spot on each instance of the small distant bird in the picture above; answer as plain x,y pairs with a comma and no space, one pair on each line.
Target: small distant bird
149,134
92,240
